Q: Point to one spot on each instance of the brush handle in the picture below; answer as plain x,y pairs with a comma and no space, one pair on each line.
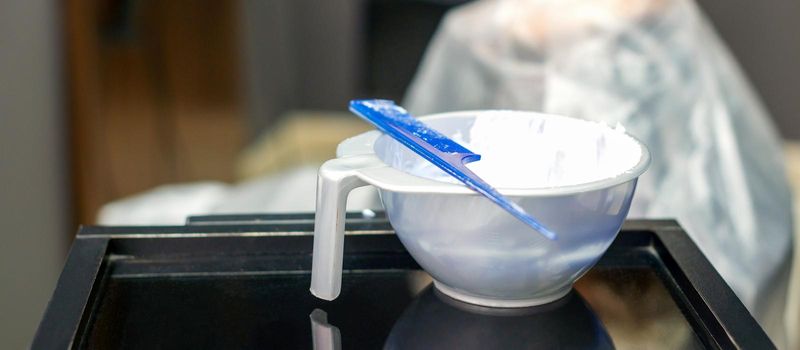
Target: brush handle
393,120
438,149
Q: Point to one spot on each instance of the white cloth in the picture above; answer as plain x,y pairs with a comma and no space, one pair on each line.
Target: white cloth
293,190
659,69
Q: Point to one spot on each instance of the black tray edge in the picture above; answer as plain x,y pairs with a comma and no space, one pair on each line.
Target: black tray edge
704,287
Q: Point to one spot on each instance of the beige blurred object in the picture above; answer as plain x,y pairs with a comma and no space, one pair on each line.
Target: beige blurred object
637,312
302,137
792,154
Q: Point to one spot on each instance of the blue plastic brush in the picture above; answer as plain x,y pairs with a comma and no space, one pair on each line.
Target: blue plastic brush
438,149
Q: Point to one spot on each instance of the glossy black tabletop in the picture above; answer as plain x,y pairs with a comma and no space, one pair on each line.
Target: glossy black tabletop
233,283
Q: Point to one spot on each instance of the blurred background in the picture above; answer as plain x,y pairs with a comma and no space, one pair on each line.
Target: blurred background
100,100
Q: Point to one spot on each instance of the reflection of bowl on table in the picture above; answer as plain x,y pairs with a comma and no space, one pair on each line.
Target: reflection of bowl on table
475,251
435,321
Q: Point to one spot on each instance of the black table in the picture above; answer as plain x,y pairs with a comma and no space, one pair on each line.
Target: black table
241,281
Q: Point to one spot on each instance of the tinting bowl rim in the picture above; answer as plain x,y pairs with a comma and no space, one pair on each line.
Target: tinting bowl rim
385,177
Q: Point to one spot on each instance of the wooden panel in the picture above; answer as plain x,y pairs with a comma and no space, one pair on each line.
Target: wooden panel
153,95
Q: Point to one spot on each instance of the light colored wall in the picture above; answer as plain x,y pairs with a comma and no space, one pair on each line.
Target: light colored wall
33,176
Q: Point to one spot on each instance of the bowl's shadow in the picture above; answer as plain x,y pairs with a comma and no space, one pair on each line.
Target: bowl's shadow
436,321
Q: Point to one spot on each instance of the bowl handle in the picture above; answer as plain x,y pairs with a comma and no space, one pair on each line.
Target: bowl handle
336,178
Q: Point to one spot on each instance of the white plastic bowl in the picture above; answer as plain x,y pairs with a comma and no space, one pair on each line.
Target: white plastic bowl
474,250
